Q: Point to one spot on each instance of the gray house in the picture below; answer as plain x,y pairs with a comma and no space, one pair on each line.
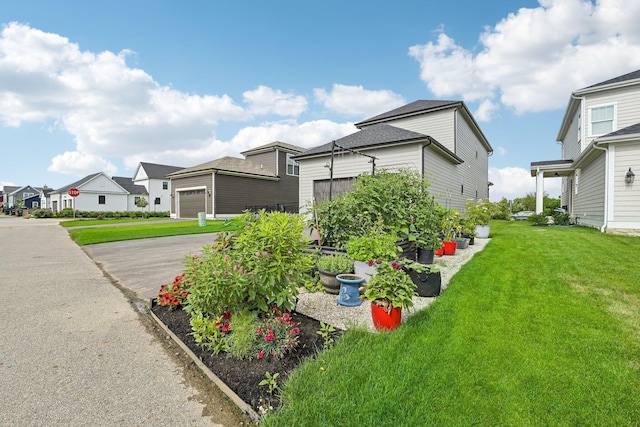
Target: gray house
440,139
600,137
266,178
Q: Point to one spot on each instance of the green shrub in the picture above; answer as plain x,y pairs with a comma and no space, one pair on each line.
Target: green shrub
42,213
335,263
242,339
538,219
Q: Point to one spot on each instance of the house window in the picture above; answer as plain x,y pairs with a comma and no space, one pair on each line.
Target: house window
102,200
293,167
165,185
602,120
27,195
34,204
156,201
136,199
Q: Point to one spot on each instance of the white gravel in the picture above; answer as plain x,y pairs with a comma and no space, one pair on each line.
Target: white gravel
324,307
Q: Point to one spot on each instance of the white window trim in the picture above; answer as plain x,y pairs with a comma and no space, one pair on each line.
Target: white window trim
614,124
293,162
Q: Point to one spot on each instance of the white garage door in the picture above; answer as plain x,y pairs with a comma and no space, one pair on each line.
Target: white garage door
192,202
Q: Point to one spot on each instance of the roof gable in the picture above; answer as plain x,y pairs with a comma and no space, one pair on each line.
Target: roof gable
227,164
273,146
625,78
416,107
129,185
156,171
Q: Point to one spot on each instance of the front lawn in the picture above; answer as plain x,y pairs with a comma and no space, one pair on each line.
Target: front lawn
93,235
540,328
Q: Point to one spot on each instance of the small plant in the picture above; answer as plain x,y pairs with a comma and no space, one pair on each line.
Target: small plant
242,338
409,265
390,287
277,335
480,212
335,263
270,380
373,246
212,334
173,295
450,224
538,219
326,332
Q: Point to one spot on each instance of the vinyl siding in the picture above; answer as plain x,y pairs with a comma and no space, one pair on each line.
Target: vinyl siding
350,165
235,193
627,102
267,160
438,125
589,202
199,181
571,146
626,207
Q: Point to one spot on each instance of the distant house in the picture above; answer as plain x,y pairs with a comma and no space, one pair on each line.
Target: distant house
154,178
45,199
98,192
600,137
25,194
439,139
136,192
266,178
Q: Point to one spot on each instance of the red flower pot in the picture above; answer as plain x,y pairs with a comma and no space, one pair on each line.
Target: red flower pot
384,321
450,247
440,251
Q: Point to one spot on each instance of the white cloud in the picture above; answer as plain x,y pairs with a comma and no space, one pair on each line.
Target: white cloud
514,182
501,151
79,164
265,100
356,101
486,110
532,59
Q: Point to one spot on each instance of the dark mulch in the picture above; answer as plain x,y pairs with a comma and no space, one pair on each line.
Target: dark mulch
244,376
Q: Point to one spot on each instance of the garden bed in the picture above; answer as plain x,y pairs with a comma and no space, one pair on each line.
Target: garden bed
243,376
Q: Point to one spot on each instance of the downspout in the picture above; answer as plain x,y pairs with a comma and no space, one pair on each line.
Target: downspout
603,229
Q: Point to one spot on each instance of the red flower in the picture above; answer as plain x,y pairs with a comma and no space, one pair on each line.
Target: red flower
260,355
225,327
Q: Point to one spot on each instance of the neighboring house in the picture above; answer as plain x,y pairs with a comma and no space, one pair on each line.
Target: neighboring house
7,190
439,139
26,194
266,178
136,192
45,199
600,137
154,178
98,192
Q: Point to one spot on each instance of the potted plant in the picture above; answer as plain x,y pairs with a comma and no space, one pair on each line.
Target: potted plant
450,223
427,278
390,290
20,208
371,249
329,266
479,214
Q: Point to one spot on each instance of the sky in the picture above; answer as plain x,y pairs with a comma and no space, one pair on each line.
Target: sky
101,86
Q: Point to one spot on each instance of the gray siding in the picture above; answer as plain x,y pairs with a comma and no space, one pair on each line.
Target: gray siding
589,202
437,124
234,194
267,160
204,180
626,206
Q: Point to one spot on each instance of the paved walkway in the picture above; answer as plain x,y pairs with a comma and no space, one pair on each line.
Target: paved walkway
75,352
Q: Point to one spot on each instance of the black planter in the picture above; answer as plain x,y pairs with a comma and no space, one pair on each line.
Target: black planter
425,256
429,284
408,249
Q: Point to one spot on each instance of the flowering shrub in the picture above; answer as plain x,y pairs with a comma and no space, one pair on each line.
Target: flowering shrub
173,295
212,334
390,287
276,335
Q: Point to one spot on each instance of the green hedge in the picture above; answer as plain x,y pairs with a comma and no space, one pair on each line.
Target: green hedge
68,213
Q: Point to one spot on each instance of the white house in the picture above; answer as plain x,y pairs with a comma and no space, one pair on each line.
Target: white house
440,139
154,178
600,137
98,192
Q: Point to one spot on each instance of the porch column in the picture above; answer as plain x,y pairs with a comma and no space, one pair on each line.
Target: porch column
539,191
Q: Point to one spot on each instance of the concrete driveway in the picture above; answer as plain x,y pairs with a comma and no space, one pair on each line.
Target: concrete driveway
142,266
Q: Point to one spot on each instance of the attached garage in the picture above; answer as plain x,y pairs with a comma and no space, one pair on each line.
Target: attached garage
190,202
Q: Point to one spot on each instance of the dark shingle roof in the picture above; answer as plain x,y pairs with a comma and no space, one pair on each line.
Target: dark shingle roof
371,136
77,183
228,164
128,185
420,106
274,144
157,171
629,130
623,78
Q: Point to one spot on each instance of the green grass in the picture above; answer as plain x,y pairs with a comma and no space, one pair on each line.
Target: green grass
93,235
88,222
540,328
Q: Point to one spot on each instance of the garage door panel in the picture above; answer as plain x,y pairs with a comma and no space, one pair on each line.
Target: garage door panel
192,202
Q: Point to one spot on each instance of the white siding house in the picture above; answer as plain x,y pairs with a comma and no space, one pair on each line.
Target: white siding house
154,178
439,139
98,192
600,136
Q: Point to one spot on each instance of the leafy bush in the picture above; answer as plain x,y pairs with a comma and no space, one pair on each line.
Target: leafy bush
538,219
335,263
42,213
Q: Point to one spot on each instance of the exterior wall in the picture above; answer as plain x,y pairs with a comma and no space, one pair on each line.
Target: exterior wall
571,145
438,124
627,102
192,182
154,188
268,160
350,165
625,212
442,174
235,193
589,203
288,184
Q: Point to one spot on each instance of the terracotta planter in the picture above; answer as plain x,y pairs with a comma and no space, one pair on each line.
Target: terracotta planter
450,247
384,321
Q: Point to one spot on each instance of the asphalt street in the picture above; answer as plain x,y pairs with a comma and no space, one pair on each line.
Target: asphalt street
76,350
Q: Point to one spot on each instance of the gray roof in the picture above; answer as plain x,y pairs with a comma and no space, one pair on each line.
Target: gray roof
157,171
77,183
371,136
227,164
629,130
274,144
416,107
127,184
623,78
8,189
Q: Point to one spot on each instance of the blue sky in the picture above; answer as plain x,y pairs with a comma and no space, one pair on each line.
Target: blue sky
90,86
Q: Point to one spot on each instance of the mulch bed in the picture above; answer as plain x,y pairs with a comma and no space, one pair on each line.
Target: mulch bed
244,376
